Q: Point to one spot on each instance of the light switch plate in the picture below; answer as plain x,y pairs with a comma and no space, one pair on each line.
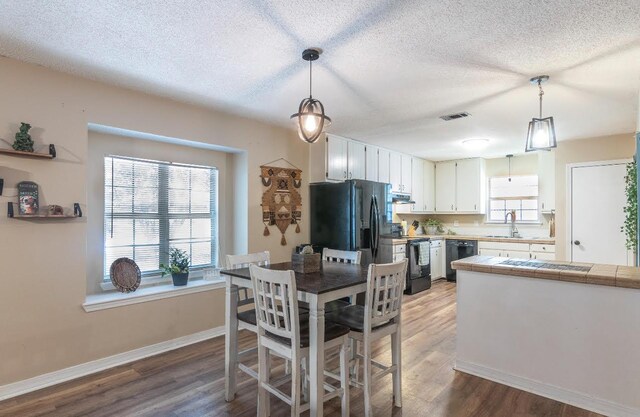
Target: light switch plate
456,223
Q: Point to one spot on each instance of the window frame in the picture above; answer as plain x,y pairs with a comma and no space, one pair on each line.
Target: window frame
164,216
518,220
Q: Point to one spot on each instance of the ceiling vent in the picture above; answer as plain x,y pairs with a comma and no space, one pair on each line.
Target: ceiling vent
455,116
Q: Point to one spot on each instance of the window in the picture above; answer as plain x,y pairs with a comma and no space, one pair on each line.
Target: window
152,206
519,194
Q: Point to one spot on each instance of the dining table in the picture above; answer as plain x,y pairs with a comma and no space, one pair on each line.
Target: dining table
333,281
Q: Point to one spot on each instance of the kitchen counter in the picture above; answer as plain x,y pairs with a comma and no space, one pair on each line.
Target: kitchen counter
541,241
598,274
571,334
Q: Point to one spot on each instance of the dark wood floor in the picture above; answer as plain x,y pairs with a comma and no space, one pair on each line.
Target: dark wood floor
190,381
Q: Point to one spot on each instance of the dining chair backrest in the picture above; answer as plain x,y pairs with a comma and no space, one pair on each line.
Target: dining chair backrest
243,261
276,303
344,256
385,285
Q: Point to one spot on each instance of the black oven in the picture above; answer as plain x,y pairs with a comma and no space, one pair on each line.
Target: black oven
419,268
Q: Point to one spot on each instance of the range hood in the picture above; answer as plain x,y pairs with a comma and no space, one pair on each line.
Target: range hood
401,199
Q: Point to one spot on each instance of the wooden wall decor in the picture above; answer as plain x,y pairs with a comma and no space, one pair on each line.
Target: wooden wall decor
281,200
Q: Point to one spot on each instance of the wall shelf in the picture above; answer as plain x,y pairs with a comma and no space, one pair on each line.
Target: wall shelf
77,212
50,155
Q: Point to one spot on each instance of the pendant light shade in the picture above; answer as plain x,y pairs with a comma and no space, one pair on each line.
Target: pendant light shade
310,118
541,134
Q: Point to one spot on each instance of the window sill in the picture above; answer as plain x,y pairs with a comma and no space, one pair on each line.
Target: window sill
105,301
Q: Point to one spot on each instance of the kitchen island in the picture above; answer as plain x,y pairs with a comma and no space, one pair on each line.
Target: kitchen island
567,331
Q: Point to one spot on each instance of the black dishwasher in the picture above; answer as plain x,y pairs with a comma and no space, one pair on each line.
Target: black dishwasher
459,249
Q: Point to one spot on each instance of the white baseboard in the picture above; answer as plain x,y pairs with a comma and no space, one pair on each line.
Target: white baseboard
576,399
77,371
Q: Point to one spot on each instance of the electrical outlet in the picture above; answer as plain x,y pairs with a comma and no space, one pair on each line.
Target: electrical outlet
456,223
475,223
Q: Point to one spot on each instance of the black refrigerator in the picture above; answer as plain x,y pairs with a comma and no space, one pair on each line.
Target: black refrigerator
350,215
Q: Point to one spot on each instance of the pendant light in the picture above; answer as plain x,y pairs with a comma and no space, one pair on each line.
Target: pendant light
542,133
310,118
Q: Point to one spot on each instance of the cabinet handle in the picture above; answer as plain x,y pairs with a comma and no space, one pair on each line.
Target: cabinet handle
345,175
542,206
475,206
452,207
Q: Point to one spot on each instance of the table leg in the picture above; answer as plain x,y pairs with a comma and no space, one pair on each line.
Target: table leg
231,340
316,356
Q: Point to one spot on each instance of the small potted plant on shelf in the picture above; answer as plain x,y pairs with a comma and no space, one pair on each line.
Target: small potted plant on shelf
178,267
432,226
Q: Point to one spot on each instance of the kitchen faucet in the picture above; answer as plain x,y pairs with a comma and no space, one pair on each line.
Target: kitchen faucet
513,230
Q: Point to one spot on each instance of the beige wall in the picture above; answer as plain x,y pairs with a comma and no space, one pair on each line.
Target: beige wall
43,327
584,150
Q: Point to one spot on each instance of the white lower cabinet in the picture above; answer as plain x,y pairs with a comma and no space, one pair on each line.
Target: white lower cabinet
517,250
436,260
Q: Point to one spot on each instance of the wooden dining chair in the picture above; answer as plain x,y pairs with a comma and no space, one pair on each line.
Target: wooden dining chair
247,316
379,317
341,256
281,331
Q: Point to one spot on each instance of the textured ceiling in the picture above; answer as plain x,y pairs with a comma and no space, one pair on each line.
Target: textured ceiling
389,69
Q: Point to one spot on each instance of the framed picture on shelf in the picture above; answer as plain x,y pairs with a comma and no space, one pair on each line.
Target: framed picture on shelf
28,203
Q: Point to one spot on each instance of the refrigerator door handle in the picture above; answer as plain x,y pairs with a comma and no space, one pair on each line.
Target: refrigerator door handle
377,228
372,211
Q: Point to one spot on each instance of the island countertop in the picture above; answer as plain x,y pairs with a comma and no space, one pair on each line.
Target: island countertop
587,273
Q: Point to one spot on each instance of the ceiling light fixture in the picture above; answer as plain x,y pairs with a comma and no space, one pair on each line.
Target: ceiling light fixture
310,118
473,144
542,133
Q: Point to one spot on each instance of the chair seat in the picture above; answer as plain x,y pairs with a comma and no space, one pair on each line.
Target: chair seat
249,316
331,331
352,317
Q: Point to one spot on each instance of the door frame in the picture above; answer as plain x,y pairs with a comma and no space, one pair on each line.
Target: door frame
569,197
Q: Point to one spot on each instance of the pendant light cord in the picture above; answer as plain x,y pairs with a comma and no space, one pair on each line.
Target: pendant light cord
540,94
310,77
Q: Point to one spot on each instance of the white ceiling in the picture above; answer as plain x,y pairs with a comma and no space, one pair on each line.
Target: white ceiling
389,69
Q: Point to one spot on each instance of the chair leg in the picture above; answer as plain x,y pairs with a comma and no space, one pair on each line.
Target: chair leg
263,394
305,381
295,387
344,377
354,359
367,377
396,360
287,367
268,380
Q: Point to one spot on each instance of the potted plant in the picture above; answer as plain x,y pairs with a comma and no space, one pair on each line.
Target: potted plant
432,226
178,267
306,261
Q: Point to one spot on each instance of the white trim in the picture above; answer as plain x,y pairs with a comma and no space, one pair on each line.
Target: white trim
77,371
97,302
563,395
569,194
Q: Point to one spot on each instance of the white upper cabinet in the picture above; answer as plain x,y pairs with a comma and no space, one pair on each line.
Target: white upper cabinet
446,187
384,169
429,186
356,160
547,181
372,164
417,180
337,150
470,186
407,171
395,171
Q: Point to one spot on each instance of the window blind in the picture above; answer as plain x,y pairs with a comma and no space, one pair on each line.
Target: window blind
152,206
519,193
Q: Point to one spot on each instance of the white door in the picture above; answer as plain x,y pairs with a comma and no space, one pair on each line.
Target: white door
596,213
429,186
417,191
356,160
406,174
336,158
383,166
445,186
371,168
468,186
395,172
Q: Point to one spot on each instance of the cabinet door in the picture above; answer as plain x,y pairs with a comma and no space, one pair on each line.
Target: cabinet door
436,263
356,156
470,186
445,186
417,179
429,186
406,173
336,158
547,181
383,166
491,252
371,166
543,256
395,172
